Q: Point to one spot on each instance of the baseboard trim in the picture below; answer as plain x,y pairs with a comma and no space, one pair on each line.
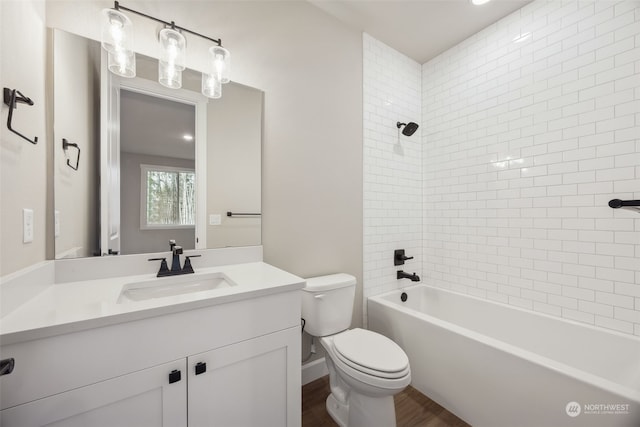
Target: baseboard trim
313,370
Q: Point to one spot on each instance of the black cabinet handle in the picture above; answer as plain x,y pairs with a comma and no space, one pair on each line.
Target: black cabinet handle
201,368
174,376
7,365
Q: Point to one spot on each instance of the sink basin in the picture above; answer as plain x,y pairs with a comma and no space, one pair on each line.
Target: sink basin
173,285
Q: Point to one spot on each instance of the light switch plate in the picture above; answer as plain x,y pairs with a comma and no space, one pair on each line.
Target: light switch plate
57,223
27,225
215,219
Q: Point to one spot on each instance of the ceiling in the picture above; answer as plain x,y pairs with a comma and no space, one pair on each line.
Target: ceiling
421,29
156,126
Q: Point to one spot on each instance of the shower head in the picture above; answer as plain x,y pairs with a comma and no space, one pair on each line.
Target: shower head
409,128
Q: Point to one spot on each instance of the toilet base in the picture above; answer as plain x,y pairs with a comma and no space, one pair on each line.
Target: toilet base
363,411
338,411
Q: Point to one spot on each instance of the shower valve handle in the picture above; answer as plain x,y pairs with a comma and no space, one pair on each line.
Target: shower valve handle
399,257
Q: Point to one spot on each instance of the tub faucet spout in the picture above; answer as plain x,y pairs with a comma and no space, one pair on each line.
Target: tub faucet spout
402,275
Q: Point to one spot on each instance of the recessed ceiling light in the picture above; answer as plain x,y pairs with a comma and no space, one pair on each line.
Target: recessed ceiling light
187,137
479,2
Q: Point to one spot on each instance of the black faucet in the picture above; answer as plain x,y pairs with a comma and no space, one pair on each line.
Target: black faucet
175,263
402,275
177,251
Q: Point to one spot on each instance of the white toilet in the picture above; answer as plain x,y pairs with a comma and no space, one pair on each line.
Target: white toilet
366,369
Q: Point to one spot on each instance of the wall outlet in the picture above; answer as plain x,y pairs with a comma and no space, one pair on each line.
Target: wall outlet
215,219
56,226
27,225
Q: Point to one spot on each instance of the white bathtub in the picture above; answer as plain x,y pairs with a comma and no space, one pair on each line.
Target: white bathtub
495,365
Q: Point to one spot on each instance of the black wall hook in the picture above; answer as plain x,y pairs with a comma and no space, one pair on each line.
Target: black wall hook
65,145
11,98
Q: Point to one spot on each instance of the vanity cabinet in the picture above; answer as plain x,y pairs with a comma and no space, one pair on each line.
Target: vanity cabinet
143,398
253,383
239,365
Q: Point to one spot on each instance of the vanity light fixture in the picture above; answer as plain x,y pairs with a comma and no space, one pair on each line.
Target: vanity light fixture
217,72
479,2
117,40
172,58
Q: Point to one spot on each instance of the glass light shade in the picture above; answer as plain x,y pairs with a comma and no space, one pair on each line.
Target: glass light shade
117,31
172,58
173,48
123,63
169,75
220,61
211,85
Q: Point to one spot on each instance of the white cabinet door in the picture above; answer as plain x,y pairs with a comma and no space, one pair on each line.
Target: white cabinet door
142,399
248,384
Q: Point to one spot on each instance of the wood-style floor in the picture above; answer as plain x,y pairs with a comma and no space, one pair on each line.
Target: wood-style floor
413,409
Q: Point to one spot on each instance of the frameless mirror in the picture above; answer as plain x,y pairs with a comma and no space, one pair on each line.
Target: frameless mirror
137,164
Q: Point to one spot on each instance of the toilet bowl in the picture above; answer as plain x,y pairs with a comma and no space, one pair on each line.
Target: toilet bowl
366,369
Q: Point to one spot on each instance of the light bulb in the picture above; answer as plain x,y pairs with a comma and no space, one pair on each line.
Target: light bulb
172,58
221,61
117,31
211,85
122,63
169,75
217,72
117,40
173,47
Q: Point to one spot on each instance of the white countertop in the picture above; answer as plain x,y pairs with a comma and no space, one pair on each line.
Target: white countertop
74,306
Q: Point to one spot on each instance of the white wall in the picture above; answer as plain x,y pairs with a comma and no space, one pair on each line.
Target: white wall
392,166
23,166
234,170
76,103
524,145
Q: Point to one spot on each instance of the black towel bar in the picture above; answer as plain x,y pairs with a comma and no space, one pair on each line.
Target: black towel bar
65,145
11,98
242,214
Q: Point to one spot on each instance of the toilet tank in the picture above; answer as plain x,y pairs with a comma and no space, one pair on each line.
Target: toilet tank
327,304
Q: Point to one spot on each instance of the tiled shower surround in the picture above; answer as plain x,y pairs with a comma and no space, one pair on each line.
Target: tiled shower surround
392,165
529,128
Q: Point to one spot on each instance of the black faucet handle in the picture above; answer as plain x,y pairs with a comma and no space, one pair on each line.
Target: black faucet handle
187,267
164,268
399,257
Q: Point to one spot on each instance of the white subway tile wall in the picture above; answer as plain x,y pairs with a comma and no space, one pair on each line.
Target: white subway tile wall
529,128
392,166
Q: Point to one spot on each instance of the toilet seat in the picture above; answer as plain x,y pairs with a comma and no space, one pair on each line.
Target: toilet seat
370,357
